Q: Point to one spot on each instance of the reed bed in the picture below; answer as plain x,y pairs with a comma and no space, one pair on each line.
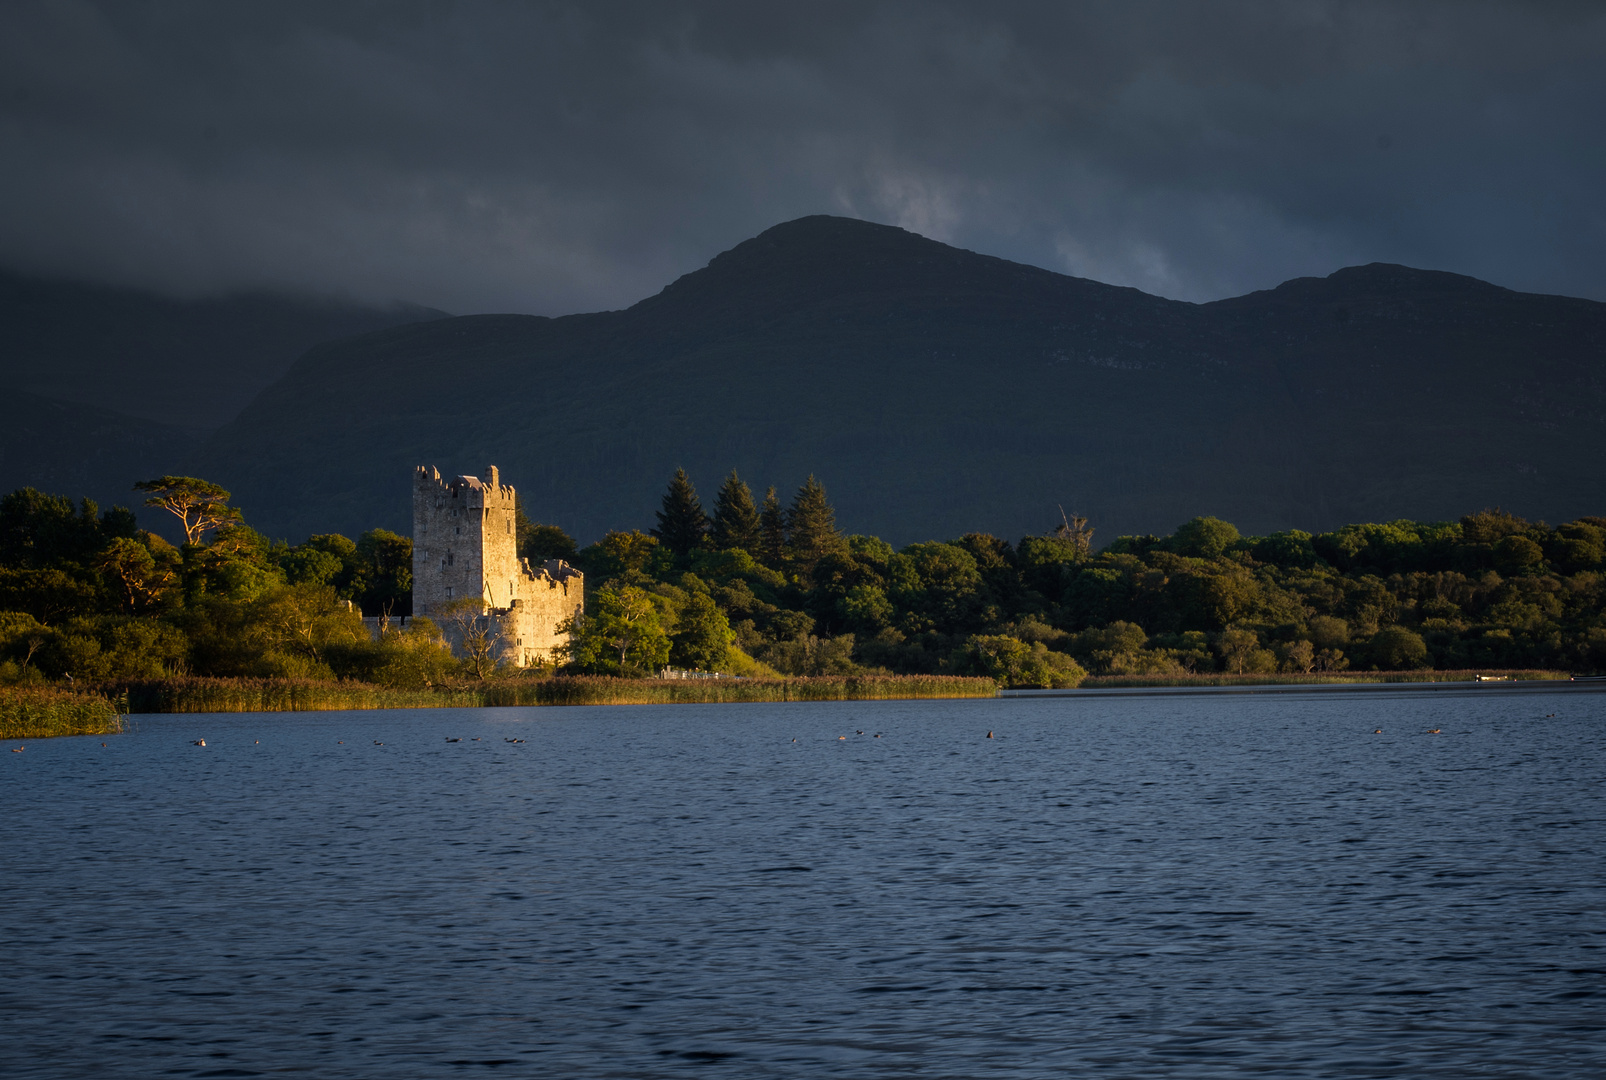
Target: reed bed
42,712
1337,678
200,695
598,690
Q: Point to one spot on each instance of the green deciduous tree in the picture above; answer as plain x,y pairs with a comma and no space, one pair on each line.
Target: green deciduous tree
1013,663
140,577
383,579
938,584
703,637
620,633
1204,538
1240,652
622,555
200,505
1395,648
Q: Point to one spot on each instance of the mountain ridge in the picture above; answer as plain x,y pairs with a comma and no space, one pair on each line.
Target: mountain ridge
937,391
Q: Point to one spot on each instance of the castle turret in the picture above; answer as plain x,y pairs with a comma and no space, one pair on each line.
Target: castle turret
465,556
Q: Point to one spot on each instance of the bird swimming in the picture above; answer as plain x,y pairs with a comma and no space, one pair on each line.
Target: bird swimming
198,742
989,734
454,740
1435,731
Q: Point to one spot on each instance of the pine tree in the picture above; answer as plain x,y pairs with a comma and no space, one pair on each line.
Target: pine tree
681,523
736,519
811,526
772,530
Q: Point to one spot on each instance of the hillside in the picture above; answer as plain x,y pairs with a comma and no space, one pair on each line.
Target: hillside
936,391
189,363
79,450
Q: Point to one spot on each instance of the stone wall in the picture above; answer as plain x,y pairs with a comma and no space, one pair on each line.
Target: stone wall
465,546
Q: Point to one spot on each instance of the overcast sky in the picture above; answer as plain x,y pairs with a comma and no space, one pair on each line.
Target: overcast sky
562,157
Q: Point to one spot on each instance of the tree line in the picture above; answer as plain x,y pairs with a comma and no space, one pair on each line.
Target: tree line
783,586
758,586
86,595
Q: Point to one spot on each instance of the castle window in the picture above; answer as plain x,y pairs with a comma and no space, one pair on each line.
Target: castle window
448,558
448,592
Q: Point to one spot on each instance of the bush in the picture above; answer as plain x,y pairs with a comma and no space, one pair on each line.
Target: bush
1395,648
1012,663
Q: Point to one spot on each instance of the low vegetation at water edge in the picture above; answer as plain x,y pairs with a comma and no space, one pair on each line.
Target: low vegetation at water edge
200,695
38,712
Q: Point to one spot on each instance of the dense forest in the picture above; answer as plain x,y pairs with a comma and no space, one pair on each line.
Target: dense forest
754,586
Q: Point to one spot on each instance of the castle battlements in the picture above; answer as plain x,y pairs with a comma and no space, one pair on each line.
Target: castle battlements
465,554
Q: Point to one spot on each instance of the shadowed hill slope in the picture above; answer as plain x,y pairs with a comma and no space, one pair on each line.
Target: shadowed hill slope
936,391
78,450
190,363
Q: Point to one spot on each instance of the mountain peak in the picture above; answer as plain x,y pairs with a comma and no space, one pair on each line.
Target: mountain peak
823,259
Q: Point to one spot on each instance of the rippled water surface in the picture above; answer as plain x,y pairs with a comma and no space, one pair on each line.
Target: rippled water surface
1192,886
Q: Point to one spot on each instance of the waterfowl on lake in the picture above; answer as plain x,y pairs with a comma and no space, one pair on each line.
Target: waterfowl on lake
1435,731
989,734
198,742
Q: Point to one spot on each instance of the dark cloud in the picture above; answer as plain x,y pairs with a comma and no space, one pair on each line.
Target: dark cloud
560,157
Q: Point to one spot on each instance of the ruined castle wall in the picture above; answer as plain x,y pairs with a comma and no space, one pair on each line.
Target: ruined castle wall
465,544
548,596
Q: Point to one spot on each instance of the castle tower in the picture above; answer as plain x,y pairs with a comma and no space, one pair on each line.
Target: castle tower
465,552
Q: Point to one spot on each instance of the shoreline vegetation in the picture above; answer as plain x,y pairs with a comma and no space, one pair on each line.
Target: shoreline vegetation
778,599
42,712
195,695
37,712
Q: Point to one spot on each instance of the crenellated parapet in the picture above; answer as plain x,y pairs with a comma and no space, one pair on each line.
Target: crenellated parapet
465,552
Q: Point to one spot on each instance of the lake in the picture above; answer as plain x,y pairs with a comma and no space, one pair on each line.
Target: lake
1191,886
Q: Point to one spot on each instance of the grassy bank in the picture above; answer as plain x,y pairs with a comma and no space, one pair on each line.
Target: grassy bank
198,695
41,712
595,690
1339,678
195,695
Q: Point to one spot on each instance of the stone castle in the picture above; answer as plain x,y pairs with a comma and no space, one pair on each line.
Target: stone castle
465,548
